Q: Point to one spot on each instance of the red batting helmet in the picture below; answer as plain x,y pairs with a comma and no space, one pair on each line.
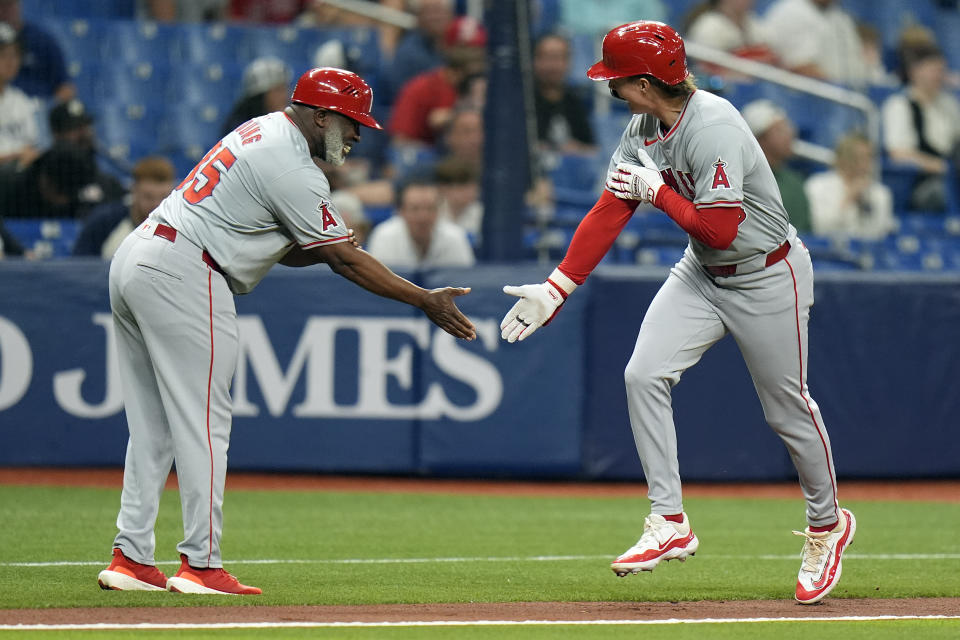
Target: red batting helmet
642,47
337,90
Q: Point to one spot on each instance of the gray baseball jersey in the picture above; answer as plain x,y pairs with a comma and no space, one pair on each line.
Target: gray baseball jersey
269,196
710,157
255,195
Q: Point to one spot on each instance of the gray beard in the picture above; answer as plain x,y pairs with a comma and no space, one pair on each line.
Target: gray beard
333,147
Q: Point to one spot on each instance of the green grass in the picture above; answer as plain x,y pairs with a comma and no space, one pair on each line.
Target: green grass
746,552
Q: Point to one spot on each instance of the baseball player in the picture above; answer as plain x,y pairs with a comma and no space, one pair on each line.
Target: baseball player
256,198
744,272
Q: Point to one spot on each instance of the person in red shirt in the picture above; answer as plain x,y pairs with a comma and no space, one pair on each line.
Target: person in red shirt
425,104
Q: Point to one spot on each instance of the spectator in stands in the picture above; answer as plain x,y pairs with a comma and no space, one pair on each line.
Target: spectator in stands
848,201
872,43
463,138
43,72
266,88
460,203
775,132
18,118
563,122
351,208
425,104
921,126
731,26
182,10
72,124
265,11
106,226
50,187
816,38
416,237
422,48
598,18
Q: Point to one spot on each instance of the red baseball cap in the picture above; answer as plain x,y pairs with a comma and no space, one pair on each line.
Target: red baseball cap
465,32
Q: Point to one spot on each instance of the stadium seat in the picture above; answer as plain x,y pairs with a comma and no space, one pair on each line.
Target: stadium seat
41,10
213,43
408,160
900,179
947,28
191,129
576,178
211,83
584,51
46,237
129,131
546,16
80,38
142,41
293,46
140,82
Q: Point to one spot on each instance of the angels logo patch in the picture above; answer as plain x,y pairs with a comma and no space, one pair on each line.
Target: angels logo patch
719,175
325,216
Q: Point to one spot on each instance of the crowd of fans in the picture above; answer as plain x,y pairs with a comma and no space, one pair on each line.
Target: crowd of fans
433,80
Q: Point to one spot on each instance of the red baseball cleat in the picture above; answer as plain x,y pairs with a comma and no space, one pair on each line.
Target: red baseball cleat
124,574
661,540
217,581
822,559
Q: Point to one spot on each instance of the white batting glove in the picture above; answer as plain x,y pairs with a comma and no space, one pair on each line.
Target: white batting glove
634,182
537,306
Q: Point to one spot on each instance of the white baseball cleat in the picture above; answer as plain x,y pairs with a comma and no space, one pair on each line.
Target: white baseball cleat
661,540
822,557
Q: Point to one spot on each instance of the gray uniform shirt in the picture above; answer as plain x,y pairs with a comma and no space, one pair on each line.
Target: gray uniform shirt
710,157
255,195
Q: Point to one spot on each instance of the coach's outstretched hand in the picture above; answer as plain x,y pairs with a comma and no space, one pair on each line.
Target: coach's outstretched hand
439,306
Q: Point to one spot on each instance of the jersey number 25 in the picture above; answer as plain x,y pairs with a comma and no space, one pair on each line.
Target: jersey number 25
217,162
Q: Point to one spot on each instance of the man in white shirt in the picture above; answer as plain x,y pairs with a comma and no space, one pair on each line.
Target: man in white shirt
18,124
416,237
848,202
816,38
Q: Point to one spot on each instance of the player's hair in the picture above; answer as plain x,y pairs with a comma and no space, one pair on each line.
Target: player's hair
153,168
420,179
680,90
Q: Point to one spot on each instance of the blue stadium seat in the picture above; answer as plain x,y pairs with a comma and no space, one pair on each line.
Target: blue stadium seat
191,129
214,43
584,51
947,28
80,38
900,179
607,130
129,131
40,10
293,46
546,16
142,41
140,82
47,237
206,83
409,160
891,16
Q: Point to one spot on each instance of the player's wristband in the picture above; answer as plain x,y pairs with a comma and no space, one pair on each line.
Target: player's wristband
562,283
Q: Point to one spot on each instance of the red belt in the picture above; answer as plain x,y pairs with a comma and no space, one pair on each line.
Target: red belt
169,233
773,258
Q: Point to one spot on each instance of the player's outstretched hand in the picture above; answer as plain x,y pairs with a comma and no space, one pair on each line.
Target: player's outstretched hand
537,305
439,306
635,182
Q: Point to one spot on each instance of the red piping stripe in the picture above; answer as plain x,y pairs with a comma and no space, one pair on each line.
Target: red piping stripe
719,203
209,442
813,418
327,241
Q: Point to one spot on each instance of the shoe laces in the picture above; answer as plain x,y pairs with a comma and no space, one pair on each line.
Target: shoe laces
815,552
654,533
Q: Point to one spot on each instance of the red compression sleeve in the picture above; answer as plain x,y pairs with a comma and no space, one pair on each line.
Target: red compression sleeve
715,227
595,235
